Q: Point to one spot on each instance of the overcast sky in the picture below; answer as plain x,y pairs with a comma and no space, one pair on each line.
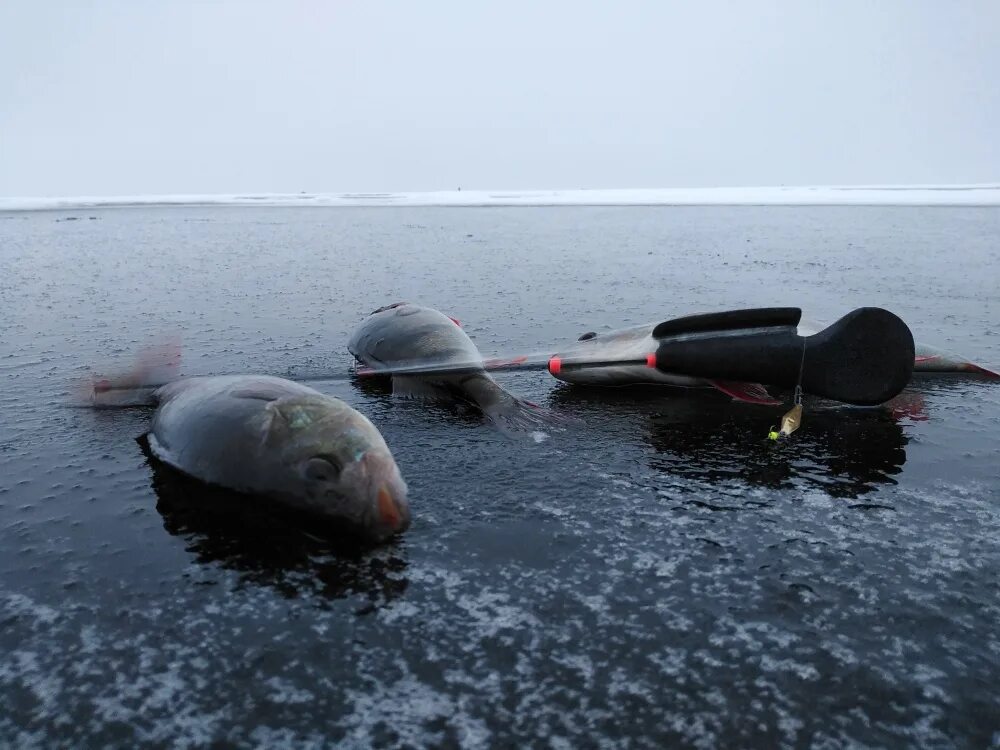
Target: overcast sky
132,97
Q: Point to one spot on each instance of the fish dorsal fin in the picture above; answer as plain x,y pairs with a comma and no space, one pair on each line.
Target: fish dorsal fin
256,393
382,309
267,389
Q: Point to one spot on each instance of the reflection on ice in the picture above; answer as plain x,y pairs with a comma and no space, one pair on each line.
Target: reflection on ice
270,546
701,435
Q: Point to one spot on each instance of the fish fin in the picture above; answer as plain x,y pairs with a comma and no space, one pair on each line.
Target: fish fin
266,389
256,395
159,450
514,415
387,307
956,364
980,370
273,425
751,393
414,386
154,367
96,395
507,412
511,414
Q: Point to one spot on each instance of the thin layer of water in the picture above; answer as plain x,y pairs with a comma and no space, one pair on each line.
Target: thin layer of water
659,575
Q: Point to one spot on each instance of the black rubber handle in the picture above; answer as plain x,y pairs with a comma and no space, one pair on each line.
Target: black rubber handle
727,320
864,358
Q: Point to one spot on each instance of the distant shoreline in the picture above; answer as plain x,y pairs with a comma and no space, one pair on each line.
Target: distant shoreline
845,195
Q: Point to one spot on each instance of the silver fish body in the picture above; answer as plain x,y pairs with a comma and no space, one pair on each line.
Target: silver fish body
405,334
269,436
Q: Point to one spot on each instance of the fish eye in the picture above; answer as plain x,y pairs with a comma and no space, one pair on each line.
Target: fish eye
323,468
587,336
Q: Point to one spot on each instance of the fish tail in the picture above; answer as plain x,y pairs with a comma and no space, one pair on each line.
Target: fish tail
120,397
511,414
153,368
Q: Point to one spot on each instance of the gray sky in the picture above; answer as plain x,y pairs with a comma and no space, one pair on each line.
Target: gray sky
131,97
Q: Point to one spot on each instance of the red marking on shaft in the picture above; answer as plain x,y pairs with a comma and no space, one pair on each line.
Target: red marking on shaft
925,359
496,363
102,385
455,321
555,365
651,360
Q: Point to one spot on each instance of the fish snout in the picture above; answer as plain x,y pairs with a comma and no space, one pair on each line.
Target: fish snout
389,511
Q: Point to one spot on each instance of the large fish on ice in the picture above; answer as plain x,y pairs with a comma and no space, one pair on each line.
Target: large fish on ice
404,335
269,436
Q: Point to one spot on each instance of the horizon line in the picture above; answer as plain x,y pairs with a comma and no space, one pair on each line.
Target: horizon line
945,194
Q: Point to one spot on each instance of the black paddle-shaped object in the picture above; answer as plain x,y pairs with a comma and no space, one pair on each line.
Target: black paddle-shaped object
864,358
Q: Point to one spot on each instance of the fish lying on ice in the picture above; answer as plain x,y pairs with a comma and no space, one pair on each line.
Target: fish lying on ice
404,334
269,436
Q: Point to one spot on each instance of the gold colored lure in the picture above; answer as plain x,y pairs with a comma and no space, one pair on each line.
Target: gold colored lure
791,421
793,417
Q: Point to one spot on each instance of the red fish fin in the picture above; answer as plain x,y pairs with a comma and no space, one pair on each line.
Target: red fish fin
155,366
983,371
752,393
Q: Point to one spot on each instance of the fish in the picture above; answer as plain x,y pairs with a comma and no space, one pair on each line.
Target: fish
267,436
404,335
